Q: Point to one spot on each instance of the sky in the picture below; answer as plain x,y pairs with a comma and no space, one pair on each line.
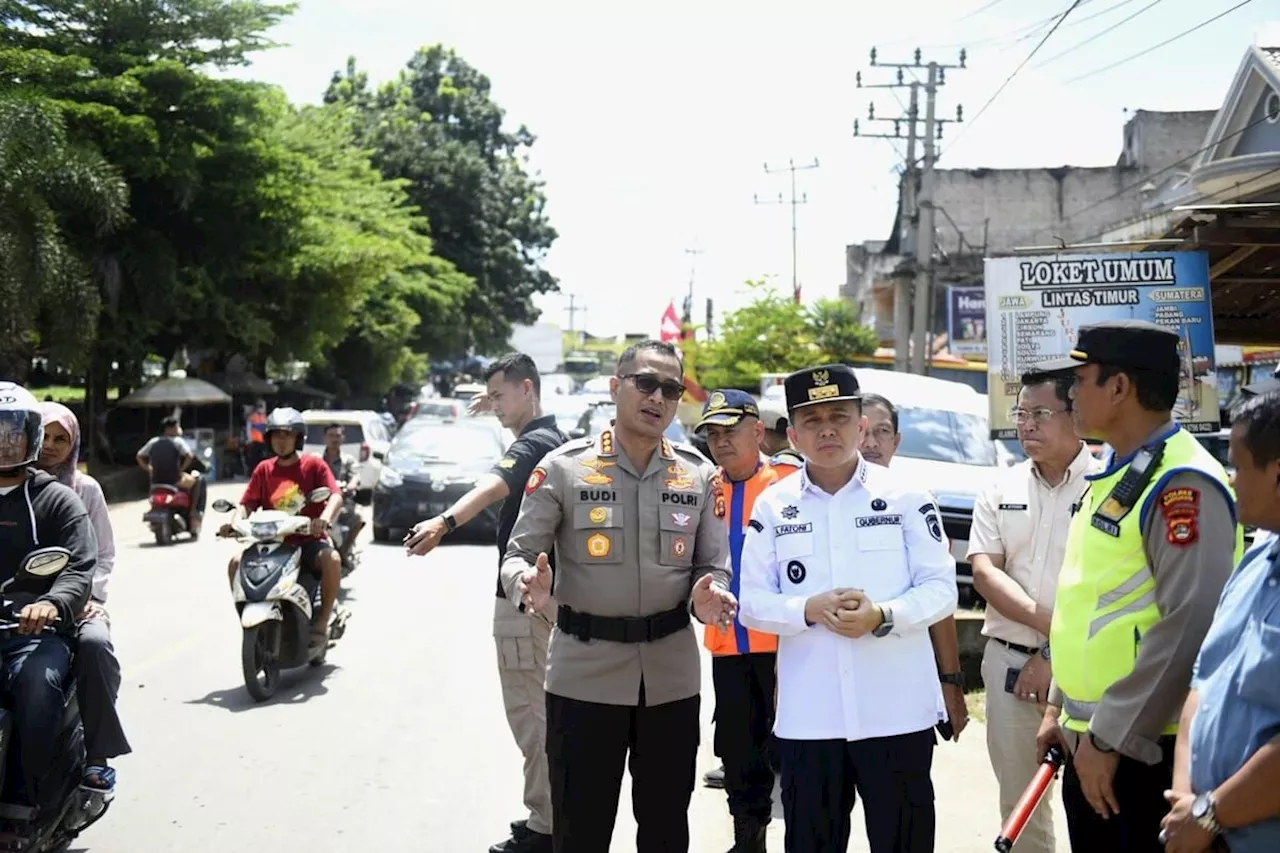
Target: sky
655,122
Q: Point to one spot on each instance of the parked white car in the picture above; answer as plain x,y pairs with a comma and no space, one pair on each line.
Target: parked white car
365,438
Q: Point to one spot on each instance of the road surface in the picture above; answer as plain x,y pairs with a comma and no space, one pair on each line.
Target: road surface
397,743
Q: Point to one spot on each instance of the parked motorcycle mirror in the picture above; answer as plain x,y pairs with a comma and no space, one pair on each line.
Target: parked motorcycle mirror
319,496
223,505
45,562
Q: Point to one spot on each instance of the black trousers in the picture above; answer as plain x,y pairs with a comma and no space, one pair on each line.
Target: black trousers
589,743
1139,790
744,730
892,774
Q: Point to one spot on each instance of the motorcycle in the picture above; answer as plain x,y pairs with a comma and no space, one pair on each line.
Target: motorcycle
169,513
275,598
75,808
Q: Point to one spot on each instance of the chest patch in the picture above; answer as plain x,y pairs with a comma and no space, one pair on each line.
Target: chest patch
879,505
795,571
878,520
597,496
1013,507
788,529
680,499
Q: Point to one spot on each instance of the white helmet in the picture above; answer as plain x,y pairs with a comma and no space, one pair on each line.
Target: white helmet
20,418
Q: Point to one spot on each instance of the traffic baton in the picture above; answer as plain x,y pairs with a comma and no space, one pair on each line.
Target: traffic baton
1029,800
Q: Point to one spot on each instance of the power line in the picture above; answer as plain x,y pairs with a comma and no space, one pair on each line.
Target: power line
1160,45
1021,65
1096,36
1165,169
1039,26
1019,33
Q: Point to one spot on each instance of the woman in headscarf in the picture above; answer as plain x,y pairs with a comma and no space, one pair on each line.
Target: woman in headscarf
96,668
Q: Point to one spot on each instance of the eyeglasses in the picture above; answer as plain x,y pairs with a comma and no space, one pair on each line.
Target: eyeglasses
1040,416
647,383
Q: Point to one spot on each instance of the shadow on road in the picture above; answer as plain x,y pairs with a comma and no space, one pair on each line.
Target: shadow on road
297,686
152,544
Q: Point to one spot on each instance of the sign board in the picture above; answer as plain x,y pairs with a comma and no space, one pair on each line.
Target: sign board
1036,306
967,321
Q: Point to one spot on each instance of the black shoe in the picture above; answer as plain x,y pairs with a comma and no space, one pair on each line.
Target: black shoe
714,778
748,835
519,828
528,842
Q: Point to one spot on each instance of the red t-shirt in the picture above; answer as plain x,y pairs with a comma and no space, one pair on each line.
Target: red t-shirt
285,488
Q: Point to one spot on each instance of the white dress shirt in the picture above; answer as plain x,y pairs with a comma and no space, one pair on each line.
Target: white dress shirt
877,535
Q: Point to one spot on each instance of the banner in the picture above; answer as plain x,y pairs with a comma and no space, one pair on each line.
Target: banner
1036,306
967,321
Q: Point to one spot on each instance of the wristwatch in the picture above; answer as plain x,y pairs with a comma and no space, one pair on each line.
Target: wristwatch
1202,812
956,678
1044,652
886,623
1099,744
450,523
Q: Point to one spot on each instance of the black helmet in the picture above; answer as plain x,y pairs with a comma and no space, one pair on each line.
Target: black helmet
287,420
19,416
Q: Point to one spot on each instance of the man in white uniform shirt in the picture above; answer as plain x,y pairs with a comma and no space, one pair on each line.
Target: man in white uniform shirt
850,568
1016,546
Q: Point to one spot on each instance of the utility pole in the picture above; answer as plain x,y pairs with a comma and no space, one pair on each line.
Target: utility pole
803,199
916,203
693,268
573,310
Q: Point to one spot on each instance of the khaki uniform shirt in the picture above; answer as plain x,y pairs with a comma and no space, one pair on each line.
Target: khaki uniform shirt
1024,519
627,543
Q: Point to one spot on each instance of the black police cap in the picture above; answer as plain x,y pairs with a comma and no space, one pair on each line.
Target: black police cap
827,383
1135,344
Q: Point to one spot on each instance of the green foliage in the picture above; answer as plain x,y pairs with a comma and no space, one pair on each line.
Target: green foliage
437,127
147,206
772,334
48,185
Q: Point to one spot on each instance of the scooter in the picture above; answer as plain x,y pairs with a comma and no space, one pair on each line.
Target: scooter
75,808
169,513
275,598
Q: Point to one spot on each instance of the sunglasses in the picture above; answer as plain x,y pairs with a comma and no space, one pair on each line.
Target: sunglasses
647,383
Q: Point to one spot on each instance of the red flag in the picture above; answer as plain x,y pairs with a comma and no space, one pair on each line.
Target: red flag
672,332
670,328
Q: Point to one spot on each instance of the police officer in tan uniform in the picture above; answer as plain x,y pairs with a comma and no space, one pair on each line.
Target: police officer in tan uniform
638,528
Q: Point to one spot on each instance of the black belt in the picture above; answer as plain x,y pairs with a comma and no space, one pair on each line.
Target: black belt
622,629
1026,650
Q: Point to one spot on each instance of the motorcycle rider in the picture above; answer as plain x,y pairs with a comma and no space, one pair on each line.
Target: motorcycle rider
343,466
37,512
283,482
96,668
166,458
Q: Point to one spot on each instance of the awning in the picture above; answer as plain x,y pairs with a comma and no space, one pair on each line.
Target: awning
176,392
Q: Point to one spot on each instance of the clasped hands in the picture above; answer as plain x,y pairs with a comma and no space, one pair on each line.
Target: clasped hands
847,612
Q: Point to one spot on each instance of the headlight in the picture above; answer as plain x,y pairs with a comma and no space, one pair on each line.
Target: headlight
264,530
390,478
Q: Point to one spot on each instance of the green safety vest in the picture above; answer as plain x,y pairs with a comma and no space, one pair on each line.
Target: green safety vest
1106,600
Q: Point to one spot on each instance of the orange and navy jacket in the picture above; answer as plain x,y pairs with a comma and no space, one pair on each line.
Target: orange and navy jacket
734,502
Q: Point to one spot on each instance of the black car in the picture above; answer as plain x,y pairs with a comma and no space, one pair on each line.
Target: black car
427,469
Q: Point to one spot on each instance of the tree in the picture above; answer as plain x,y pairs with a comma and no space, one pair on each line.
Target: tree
47,183
437,126
772,334
255,228
838,331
